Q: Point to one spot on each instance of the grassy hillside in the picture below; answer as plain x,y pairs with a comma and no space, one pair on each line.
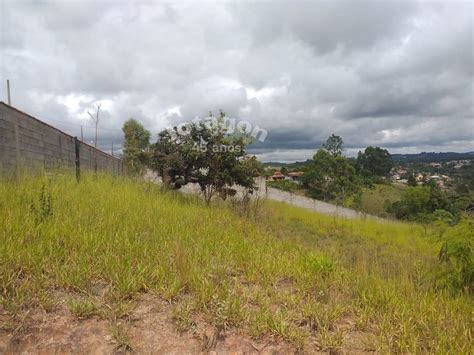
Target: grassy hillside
316,282
373,201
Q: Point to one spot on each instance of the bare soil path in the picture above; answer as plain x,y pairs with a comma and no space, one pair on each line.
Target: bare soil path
148,328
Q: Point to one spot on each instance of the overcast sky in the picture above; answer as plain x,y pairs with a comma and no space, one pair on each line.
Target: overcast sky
395,74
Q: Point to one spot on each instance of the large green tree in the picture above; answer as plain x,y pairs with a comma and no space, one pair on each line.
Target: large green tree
330,177
374,161
205,153
137,142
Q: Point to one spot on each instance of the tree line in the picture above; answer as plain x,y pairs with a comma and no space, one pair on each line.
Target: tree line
206,154
331,176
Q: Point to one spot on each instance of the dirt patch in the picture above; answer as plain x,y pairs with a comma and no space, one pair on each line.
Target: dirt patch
152,330
148,328
57,332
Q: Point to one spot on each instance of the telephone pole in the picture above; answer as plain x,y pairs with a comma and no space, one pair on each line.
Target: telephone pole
82,135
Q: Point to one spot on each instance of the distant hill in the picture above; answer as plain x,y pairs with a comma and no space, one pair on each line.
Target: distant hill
297,164
428,157
424,157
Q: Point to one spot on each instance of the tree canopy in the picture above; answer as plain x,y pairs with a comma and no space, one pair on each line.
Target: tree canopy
375,161
137,141
334,145
411,180
330,177
205,153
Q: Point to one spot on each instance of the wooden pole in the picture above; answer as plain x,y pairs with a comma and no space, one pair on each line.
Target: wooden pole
82,135
112,148
78,158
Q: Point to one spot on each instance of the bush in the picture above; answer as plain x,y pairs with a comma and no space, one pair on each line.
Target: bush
413,203
419,203
457,256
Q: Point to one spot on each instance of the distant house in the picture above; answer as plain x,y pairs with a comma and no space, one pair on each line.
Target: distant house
440,180
420,177
277,176
398,173
295,176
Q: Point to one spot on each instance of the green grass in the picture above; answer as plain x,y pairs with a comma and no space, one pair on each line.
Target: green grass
82,308
374,200
121,338
288,272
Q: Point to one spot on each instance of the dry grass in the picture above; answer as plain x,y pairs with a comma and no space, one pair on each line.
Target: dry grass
306,278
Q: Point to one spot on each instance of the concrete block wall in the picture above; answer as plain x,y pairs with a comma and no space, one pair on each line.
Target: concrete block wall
30,143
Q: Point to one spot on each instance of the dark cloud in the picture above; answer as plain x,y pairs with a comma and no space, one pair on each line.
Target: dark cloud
326,25
398,74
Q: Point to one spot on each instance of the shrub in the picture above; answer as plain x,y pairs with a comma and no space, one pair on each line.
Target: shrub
457,256
43,208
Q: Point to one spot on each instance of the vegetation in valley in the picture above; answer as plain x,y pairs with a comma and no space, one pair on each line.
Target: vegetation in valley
330,176
363,183
427,203
311,280
195,154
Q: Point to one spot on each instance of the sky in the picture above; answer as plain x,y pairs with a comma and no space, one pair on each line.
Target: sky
395,74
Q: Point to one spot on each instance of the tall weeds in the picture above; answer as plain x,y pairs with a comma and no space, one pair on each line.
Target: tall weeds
290,273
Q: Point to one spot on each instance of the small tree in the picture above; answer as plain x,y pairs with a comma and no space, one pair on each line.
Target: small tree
413,203
411,180
95,118
206,154
137,142
334,145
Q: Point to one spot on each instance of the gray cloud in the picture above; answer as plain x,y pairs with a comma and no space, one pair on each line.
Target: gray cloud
397,74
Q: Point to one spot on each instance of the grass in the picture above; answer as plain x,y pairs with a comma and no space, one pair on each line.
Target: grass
375,200
82,308
290,272
121,338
